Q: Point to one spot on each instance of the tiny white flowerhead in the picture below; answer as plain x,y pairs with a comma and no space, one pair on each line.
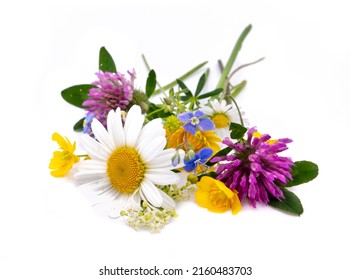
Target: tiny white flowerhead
222,114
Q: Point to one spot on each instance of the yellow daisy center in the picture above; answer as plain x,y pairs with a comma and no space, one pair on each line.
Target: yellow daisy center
220,120
125,169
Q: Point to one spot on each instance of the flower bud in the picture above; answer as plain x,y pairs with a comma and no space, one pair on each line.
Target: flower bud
190,155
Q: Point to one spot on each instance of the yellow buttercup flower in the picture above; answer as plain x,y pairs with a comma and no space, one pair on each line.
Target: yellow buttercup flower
216,197
202,139
62,161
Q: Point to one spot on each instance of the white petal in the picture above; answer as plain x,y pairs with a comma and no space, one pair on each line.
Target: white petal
102,135
217,106
150,150
109,195
113,202
115,127
92,165
89,171
222,132
207,110
150,131
91,184
164,160
183,175
86,175
135,201
167,153
133,125
94,149
100,185
168,202
165,163
151,193
119,204
164,178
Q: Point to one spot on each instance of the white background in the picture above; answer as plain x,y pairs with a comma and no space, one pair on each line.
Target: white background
50,231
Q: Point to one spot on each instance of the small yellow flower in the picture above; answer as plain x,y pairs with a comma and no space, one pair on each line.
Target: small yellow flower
62,161
216,197
172,123
202,139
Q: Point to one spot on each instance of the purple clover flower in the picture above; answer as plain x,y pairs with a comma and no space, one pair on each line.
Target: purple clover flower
200,158
254,167
194,120
113,91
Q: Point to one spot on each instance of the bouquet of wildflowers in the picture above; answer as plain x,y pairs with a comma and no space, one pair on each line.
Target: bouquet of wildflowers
143,156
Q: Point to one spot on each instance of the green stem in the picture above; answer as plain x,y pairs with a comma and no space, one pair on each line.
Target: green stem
227,82
183,77
145,62
82,155
154,112
238,110
233,56
239,68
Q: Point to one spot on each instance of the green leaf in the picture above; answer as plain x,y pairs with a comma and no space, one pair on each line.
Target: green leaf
151,83
200,84
106,62
157,111
210,174
183,77
237,131
302,172
211,93
220,153
76,95
291,203
238,88
184,88
184,98
79,125
233,56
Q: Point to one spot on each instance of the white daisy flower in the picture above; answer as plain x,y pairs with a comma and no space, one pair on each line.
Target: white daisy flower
127,162
222,114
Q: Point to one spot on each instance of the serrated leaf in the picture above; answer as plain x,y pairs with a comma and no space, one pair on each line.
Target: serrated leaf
210,94
237,131
106,62
79,125
200,84
220,153
76,95
290,204
151,83
184,88
302,172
